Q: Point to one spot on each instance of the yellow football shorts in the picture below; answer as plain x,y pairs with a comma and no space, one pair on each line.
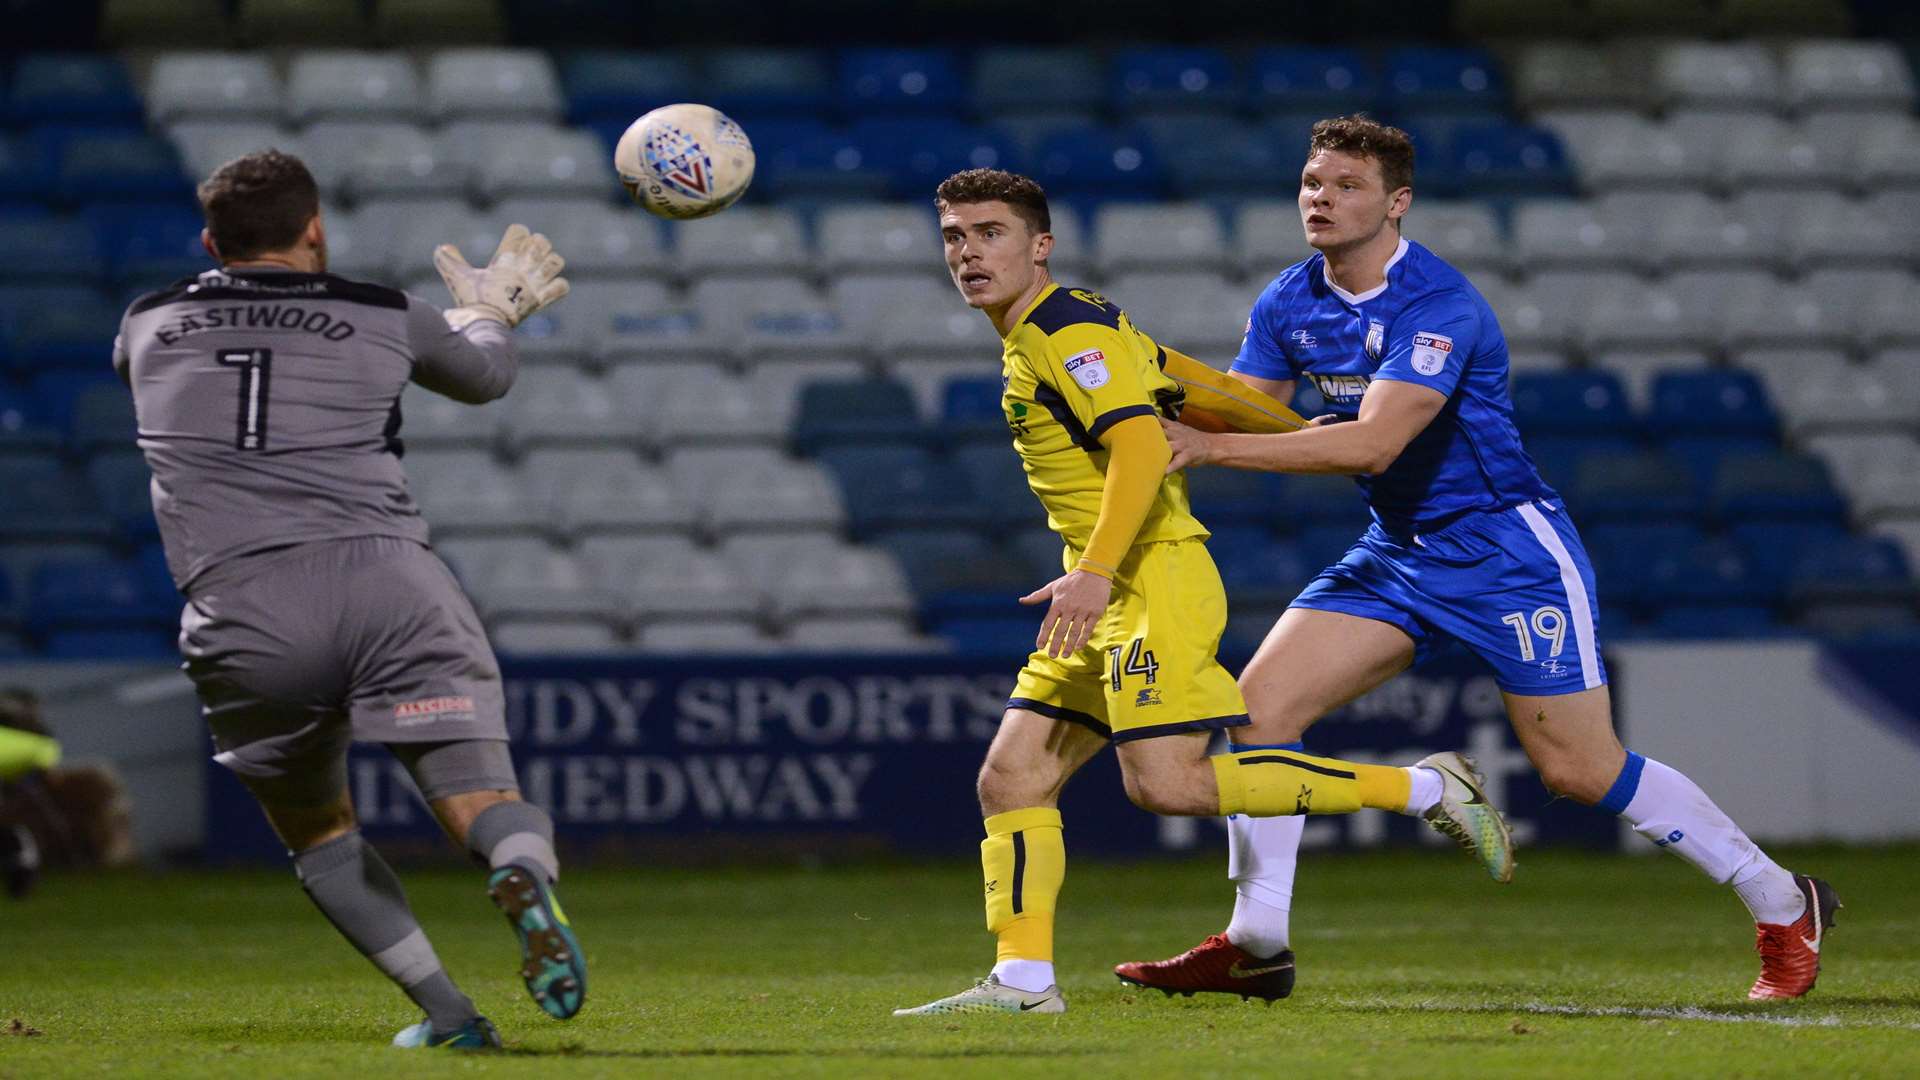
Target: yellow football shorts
1149,669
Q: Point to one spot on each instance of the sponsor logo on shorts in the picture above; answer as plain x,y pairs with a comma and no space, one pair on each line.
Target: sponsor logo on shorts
1430,352
1089,369
428,710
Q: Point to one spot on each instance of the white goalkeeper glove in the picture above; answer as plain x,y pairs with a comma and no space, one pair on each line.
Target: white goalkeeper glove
522,277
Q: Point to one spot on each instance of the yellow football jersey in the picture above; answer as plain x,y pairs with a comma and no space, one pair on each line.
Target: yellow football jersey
1074,366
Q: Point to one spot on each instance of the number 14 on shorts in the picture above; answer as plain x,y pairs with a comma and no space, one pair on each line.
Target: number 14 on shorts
1139,661
1548,622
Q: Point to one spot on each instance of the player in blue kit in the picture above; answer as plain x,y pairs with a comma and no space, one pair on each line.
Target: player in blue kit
1467,543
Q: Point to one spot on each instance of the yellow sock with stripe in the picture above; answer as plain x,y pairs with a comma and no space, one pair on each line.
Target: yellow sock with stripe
1272,783
1024,858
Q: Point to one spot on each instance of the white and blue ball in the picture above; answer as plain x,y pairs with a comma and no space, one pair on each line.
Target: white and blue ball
684,161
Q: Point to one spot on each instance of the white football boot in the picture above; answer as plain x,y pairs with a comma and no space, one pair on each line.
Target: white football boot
1465,814
990,995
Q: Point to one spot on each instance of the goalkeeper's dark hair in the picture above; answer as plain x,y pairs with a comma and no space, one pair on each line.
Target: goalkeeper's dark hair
997,185
258,203
1363,136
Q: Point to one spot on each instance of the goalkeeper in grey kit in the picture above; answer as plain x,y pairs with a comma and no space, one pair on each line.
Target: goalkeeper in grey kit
267,393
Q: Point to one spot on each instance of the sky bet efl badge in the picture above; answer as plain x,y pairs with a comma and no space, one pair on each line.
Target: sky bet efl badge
1430,352
1089,369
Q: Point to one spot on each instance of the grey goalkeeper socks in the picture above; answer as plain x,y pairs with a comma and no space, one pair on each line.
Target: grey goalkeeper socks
515,832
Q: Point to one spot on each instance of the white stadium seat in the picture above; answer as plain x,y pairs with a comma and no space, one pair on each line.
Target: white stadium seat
352,83
866,239
1826,74
492,82
231,86
745,239
1159,238
1731,75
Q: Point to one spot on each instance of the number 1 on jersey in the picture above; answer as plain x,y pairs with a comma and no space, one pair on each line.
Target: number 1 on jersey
256,365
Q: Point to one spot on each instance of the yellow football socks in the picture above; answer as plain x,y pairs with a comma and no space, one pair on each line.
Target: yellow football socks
1272,783
1024,858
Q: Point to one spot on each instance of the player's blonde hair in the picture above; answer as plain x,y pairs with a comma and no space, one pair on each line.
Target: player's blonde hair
1363,136
997,185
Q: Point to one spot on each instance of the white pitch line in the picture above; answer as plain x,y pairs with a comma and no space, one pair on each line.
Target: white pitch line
1541,1008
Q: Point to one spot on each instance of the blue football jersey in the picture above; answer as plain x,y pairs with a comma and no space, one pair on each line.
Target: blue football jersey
1425,324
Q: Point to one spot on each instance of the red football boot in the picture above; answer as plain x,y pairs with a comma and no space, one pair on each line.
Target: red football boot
1215,966
1790,954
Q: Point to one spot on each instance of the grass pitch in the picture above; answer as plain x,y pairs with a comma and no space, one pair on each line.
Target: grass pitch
1412,965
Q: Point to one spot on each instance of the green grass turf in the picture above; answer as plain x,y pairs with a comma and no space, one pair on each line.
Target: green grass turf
1412,966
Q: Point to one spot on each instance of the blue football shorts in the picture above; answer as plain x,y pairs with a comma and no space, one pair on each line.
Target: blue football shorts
1512,585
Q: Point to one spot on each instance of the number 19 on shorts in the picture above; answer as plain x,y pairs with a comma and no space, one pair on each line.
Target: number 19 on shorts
1548,623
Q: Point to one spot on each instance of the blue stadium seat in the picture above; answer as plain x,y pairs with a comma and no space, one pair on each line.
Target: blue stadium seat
22,431
1643,487
1217,156
918,81
808,160
54,392
1775,548
971,409
1571,403
86,593
1173,78
1007,637
1039,552
842,411
1775,486
999,486
959,574
611,83
122,485
917,154
24,174
1701,622
1444,78
77,334
1855,569
72,87
149,245
1258,570
898,487
1622,555
50,250
111,643
1235,497
103,419
1702,454
1709,571
119,166
1507,159
41,501
1323,545
1016,79
1323,81
751,85
1097,163
1320,500
1558,457
1723,403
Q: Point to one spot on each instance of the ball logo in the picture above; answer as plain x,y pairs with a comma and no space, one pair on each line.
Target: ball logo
679,160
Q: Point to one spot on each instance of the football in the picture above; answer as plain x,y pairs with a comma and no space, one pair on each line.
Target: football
684,161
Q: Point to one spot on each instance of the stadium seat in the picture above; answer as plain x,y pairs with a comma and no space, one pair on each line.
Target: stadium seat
111,643
1421,78
230,86
465,492
1887,154
121,484
1212,156
868,303
1164,237
1777,486
919,153
1331,82
552,407
1649,319
670,637
545,583
668,577
745,239
1692,229
598,240
1690,622
118,166
96,595
863,411
877,239
1549,311
50,250
1234,497
771,318
915,81
387,159
1096,163
841,581
1621,553
1172,78
1852,570
1774,549
555,637
366,85
432,421
556,163
958,573
1268,238
971,409
1853,234
1555,233
622,85
1633,487
708,406
148,247
1002,497
891,487
413,228
76,336
1850,74
1008,638
1794,156
1466,234
745,489
1491,160
103,419
76,88
24,432
1571,403
1640,153
1709,571
1735,76
858,634
1552,74
754,83
1258,571
493,84
1711,403
25,176
1014,78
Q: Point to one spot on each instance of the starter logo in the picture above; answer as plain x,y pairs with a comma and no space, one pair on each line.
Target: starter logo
1147,696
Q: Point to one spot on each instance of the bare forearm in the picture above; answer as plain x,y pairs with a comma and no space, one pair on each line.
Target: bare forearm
1341,449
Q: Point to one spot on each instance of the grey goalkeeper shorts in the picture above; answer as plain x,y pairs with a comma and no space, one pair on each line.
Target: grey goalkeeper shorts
300,651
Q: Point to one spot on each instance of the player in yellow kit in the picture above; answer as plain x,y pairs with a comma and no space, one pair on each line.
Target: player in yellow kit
1125,652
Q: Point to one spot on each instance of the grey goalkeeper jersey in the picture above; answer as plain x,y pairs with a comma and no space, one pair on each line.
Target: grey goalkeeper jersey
269,406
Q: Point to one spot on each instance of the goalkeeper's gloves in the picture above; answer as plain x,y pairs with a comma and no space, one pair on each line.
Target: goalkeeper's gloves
522,277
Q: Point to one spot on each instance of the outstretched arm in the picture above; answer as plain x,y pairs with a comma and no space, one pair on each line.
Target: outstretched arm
1391,414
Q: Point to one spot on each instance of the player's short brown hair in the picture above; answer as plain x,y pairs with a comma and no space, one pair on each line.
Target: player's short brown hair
997,185
1363,136
257,203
